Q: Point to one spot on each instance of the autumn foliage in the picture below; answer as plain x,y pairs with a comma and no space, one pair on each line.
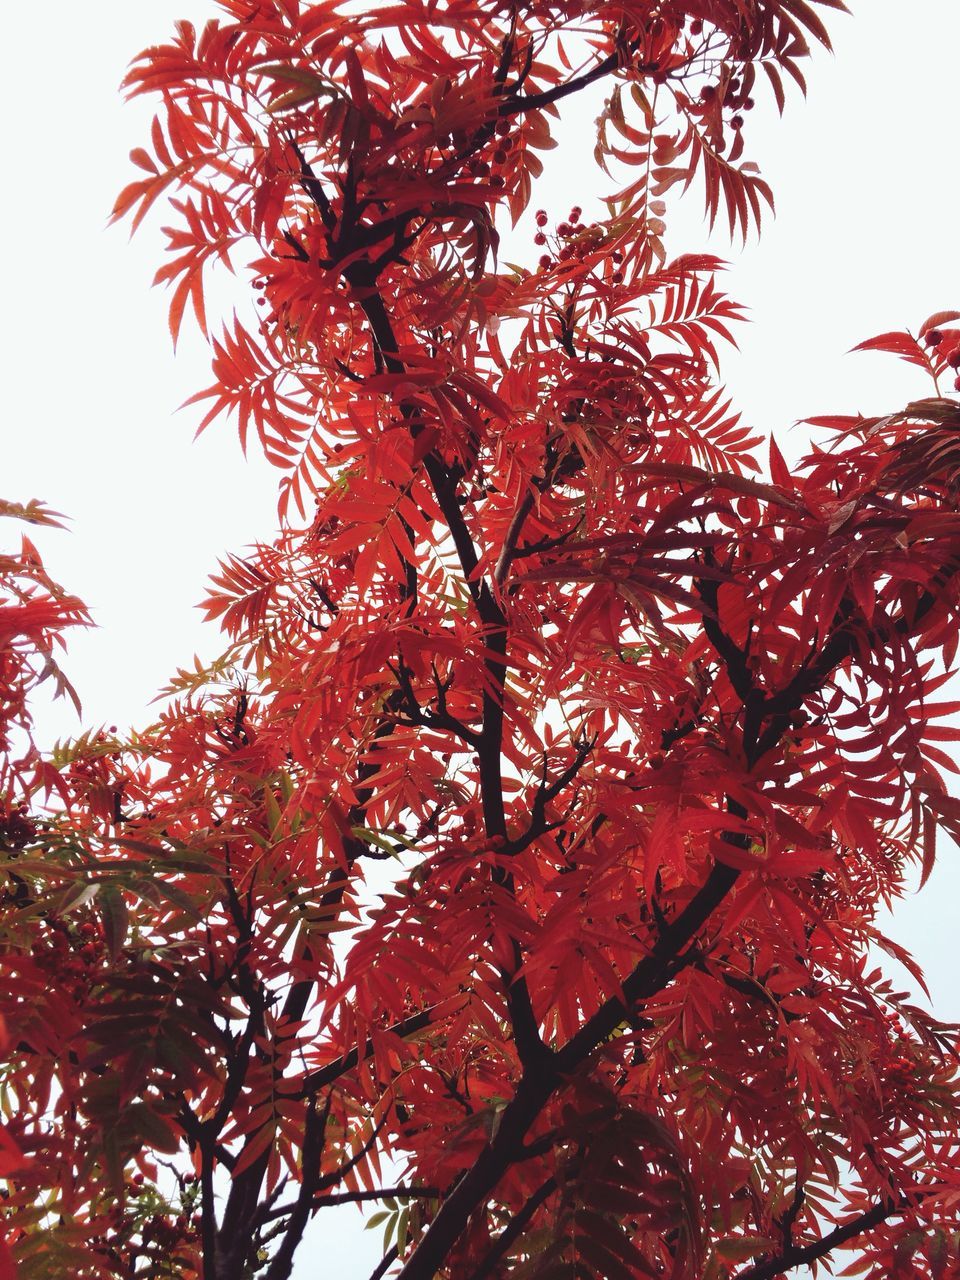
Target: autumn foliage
517,867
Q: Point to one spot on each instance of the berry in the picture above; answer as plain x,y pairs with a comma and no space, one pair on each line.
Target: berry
956,383
932,337
564,229
736,122
501,128
953,359
617,277
498,180
546,261
541,217
539,238
499,156
575,213
748,104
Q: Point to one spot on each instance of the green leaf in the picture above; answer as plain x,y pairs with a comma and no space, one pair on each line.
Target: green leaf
114,917
742,1248
76,896
145,1122
309,86
272,809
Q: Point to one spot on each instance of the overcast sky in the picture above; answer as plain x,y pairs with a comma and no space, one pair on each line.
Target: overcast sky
866,179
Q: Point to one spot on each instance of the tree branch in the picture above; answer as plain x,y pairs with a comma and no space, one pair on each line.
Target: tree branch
803,1255
533,101
513,1230
359,1197
349,1061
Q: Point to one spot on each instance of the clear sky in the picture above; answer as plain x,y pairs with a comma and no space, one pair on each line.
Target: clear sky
866,239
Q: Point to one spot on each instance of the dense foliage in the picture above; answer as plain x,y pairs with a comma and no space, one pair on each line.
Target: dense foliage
518,865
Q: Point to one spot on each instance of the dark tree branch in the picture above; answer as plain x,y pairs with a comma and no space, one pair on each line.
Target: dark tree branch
314,1129
333,1071
512,1232
385,1263
803,1255
489,744
515,104
360,1197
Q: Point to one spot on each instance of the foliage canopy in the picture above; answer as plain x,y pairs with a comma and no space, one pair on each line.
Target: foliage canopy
518,864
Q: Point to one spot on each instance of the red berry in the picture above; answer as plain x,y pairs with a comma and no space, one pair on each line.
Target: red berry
502,127
546,261
564,229
499,156
539,238
932,337
956,383
575,213
498,180
617,277
953,359
736,122
541,217
696,26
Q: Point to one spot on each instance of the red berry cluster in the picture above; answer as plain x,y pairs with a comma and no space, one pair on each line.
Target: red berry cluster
70,957
901,1077
493,160
572,240
16,829
730,96
945,345
167,1233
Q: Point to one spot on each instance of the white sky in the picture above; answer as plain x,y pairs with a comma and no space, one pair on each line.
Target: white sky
866,239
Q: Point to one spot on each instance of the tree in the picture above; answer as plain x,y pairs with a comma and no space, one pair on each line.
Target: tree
599,750
34,613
